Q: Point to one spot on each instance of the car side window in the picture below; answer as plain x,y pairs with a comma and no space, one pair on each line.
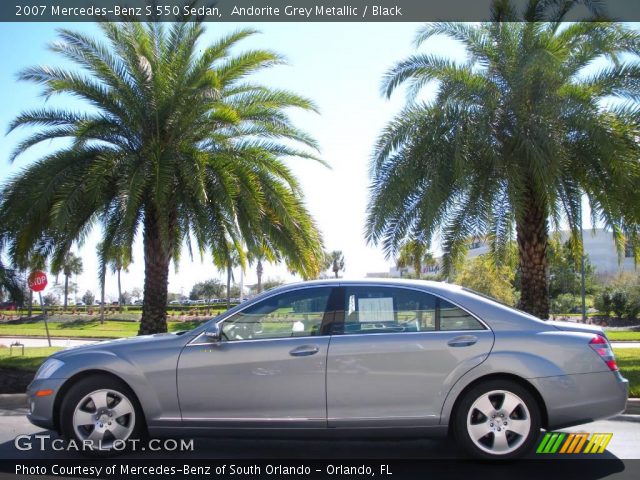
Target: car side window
399,310
388,310
455,318
292,314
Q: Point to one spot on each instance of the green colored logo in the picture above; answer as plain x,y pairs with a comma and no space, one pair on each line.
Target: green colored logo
555,442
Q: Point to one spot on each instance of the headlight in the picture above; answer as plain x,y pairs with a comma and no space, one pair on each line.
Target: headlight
48,368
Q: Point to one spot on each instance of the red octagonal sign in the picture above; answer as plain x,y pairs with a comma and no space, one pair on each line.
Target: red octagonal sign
37,281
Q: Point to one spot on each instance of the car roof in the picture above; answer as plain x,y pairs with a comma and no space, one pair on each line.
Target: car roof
407,282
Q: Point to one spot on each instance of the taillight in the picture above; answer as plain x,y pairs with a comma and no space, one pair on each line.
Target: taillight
600,345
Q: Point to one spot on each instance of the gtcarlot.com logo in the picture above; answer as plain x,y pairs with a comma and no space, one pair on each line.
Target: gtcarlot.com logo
45,442
574,442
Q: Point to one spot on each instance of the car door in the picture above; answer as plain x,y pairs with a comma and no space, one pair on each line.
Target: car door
268,369
396,354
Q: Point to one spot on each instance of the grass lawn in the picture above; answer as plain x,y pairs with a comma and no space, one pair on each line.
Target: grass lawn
628,360
83,328
32,359
620,336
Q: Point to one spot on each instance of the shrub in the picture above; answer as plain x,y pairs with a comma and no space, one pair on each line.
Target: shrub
603,302
619,301
565,303
633,303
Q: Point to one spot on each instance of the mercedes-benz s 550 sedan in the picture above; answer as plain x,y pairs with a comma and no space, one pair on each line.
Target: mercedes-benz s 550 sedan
340,358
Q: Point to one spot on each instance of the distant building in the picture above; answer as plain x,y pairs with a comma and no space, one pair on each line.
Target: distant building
598,245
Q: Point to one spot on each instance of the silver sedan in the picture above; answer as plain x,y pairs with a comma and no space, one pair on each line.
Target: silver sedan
375,357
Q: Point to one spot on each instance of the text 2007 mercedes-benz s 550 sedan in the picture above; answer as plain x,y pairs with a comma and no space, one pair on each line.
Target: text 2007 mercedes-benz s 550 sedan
386,357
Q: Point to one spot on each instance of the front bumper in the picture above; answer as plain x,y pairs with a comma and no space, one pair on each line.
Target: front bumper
582,398
41,409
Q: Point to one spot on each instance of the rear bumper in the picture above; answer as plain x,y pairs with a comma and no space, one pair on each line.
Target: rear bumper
582,398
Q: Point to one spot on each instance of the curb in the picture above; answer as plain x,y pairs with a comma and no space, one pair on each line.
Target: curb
633,406
10,401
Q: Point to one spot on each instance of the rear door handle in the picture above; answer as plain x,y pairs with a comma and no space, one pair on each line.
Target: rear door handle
463,341
304,351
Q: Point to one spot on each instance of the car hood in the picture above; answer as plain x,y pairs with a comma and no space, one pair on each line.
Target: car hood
107,344
578,327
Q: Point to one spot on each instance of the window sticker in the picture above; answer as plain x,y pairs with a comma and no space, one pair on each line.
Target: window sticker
352,304
375,310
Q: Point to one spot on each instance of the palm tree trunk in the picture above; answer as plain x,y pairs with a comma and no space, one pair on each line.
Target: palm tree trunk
102,302
228,287
30,303
259,273
119,290
156,277
66,290
533,237
417,266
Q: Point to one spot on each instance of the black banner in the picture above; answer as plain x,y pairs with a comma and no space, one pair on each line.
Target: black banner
583,469
298,10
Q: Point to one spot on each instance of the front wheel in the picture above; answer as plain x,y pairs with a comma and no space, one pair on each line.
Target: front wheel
101,415
498,419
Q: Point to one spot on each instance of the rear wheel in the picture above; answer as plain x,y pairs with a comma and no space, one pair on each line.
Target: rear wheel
497,419
101,412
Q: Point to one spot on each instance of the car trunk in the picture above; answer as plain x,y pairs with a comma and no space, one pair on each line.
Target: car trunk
578,327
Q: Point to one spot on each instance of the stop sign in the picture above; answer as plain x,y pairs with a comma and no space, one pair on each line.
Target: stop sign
37,281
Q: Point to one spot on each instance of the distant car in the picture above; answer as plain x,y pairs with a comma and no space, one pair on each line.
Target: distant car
80,304
403,358
174,302
137,302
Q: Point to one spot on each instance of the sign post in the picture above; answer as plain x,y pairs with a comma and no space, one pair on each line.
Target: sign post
37,282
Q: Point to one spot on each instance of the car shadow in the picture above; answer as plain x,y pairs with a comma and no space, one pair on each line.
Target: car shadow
205,448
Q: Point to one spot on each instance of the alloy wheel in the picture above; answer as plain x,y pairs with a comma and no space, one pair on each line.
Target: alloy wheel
103,417
498,422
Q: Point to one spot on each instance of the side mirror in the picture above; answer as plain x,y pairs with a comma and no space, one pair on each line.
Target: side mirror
213,333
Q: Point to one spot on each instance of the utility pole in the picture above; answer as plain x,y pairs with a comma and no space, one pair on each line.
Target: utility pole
582,273
584,294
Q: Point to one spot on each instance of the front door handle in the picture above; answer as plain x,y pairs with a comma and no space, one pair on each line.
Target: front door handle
463,341
304,351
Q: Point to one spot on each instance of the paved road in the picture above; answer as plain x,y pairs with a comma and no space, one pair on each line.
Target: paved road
625,444
625,344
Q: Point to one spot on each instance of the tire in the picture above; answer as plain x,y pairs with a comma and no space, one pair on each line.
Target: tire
505,412
104,411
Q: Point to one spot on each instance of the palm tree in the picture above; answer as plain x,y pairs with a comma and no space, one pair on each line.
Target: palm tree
71,264
516,136
179,143
414,253
229,258
32,262
262,252
258,258
118,258
335,261
11,284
